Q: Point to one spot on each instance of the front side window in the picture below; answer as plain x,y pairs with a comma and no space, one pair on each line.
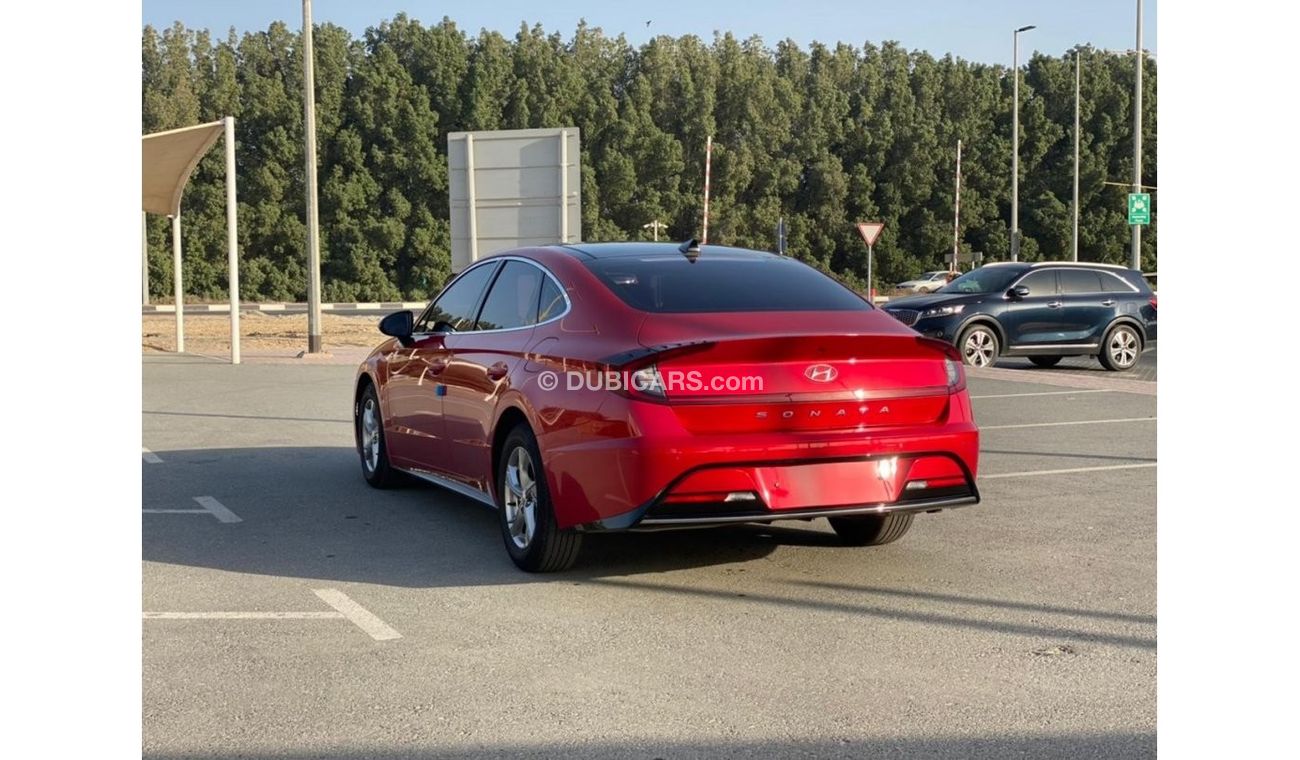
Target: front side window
1042,283
512,302
457,306
983,280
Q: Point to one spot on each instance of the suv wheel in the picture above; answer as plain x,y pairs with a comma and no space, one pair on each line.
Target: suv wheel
1121,348
979,346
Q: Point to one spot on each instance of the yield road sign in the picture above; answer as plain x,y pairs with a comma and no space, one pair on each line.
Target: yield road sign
870,232
1139,208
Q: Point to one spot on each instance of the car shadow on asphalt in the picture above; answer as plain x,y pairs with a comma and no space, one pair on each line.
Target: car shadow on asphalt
1117,744
306,512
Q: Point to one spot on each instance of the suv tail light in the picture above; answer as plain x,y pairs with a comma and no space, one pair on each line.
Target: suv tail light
1153,300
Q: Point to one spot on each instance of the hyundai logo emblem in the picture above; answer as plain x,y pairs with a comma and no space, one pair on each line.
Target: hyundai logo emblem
821,373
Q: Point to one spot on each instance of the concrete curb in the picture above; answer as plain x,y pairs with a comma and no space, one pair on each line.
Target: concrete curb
1064,380
287,308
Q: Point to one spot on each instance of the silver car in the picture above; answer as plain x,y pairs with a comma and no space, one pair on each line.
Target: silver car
926,283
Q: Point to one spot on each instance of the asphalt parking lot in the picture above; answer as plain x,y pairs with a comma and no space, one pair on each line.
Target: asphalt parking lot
291,611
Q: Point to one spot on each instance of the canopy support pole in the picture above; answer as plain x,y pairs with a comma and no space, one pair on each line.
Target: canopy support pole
232,238
144,255
178,283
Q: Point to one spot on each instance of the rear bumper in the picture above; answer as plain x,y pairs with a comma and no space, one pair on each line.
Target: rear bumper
768,516
616,475
660,513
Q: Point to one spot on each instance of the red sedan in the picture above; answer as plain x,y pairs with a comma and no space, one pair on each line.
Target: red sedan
646,386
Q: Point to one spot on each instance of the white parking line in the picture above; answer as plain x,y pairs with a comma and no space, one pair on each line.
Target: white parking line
218,509
1074,422
243,616
1045,393
210,507
360,616
1030,473
150,457
345,608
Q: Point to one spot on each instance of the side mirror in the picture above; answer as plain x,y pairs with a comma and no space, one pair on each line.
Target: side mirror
1018,292
398,325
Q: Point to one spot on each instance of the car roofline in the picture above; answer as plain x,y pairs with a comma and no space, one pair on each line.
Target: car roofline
1085,264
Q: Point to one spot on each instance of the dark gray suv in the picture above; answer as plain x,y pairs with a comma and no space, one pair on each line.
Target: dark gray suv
1043,311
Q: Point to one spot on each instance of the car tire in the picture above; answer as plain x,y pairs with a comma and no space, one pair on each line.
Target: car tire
978,345
1045,361
1121,348
871,530
372,446
525,511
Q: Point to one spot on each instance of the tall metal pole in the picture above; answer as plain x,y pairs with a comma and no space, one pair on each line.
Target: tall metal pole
144,255
1074,240
1135,259
1015,147
1015,142
564,186
471,200
232,238
956,214
871,290
708,159
313,226
178,283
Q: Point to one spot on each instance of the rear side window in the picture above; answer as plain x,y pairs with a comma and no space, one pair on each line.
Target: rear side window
551,304
1040,283
512,302
718,283
1130,276
458,304
1080,281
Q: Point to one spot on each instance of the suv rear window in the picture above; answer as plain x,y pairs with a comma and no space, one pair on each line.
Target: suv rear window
717,283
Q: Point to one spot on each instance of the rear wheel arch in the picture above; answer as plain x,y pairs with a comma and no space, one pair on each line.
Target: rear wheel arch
1131,322
509,419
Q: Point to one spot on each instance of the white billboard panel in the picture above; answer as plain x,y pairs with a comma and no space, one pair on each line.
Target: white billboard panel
513,188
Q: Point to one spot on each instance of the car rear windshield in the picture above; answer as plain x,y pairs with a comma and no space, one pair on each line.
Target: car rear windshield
672,284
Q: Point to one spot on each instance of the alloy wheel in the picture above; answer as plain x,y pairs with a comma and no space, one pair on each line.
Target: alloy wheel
370,438
520,498
1123,348
979,348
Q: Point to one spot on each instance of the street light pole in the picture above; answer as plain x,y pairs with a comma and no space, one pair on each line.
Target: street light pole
1075,237
1135,258
313,231
1015,142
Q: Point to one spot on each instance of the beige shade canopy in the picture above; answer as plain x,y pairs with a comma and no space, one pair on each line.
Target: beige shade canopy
168,159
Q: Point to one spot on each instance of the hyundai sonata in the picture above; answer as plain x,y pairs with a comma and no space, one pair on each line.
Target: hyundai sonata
646,386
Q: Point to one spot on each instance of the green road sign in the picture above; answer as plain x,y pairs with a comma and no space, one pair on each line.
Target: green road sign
1139,208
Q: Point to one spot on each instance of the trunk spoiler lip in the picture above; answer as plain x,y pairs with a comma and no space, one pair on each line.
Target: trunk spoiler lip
644,354
842,396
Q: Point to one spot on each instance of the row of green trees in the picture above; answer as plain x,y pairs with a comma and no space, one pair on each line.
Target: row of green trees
823,137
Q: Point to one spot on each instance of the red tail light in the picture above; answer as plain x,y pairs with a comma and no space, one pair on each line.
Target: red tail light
1153,300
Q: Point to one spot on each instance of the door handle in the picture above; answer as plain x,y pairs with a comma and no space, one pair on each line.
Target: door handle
1108,302
497,371
1054,305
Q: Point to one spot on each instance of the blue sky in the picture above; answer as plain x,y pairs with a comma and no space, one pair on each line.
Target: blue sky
979,31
